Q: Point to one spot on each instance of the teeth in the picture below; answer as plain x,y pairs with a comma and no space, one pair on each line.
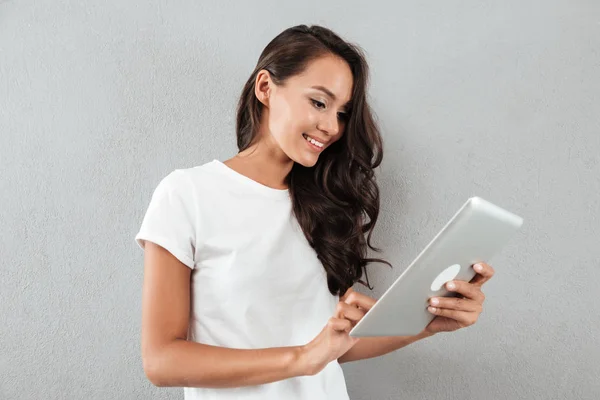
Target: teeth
313,141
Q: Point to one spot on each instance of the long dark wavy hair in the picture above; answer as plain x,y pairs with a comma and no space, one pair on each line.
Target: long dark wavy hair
333,199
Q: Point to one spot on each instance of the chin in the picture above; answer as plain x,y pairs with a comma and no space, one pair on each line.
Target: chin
307,162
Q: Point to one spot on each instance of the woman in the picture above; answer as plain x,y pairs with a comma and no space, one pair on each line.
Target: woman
249,263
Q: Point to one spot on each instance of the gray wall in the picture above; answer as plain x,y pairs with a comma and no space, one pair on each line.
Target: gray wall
100,100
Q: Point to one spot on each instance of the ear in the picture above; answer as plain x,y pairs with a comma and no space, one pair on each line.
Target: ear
262,86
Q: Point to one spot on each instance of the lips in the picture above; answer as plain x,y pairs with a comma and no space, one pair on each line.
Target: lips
324,142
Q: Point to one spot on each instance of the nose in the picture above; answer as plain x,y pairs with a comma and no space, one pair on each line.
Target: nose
330,124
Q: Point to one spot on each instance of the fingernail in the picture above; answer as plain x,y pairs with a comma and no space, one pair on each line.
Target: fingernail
435,301
478,267
431,309
451,285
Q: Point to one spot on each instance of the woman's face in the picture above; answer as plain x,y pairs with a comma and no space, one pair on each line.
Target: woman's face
308,107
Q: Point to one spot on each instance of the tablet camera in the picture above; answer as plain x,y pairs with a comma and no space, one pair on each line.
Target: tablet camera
446,275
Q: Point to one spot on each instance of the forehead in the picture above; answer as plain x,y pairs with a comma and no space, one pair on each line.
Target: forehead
330,72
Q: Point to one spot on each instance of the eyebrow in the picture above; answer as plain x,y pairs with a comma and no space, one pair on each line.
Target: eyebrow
330,94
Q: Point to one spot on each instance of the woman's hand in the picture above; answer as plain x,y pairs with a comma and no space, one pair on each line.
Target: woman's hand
334,341
353,301
456,313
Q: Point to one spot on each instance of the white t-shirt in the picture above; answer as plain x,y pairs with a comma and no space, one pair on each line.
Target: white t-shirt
255,283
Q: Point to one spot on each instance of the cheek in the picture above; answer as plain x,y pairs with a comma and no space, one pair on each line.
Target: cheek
281,114
294,120
311,117
279,119
288,120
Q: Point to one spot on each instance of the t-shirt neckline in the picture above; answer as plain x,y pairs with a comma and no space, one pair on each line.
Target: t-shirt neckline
251,183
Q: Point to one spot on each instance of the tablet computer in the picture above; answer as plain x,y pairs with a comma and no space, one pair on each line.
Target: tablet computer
477,231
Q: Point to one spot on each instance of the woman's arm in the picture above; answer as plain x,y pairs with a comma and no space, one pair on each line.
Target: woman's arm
186,363
171,360
370,347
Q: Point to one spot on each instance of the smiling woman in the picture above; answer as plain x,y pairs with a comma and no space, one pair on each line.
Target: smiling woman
246,260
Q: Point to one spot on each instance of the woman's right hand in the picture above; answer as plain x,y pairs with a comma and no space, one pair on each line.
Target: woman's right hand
333,341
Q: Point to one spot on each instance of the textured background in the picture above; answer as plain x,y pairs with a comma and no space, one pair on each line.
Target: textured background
100,100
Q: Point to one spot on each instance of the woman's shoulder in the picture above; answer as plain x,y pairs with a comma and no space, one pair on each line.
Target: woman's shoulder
186,184
184,176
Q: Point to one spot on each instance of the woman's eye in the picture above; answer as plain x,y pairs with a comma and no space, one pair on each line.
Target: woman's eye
318,103
342,116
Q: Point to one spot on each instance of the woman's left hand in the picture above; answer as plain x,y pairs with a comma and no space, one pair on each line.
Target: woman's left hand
456,313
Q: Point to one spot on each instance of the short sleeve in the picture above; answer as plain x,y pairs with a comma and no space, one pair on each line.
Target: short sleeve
171,218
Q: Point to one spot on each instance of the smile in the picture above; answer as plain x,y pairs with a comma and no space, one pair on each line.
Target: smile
313,141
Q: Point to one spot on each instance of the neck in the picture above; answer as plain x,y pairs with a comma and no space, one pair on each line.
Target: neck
265,164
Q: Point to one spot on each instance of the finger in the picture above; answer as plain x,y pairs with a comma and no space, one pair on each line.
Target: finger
348,311
350,290
340,324
463,317
456,304
483,275
467,289
359,300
